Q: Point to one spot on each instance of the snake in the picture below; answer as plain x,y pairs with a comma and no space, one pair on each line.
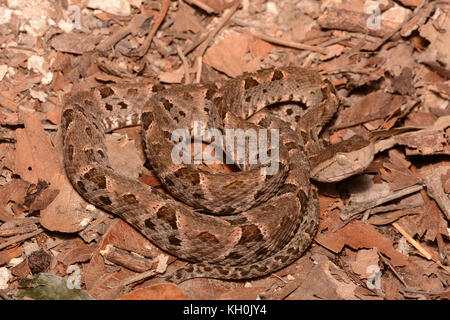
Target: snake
228,225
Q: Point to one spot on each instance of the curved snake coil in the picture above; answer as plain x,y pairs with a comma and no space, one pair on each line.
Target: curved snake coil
259,223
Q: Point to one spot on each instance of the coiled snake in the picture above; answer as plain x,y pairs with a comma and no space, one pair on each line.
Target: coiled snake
259,223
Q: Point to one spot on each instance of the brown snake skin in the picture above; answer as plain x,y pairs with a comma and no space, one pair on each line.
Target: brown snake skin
261,223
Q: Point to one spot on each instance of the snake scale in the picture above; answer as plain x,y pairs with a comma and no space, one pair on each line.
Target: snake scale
238,225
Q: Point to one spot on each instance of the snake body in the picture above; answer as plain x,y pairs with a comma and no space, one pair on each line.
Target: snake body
249,225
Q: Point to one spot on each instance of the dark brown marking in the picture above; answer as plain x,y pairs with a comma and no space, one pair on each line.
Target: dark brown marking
70,152
210,93
68,116
101,154
105,200
261,252
123,105
291,145
222,270
158,87
81,187
106,92
89,132
289,111
261,269
243,271
303,199
149,224
248,98
132,91
189,268
108,107
96,177
260,193
208,238
190,175
147,119
188,96
250,233
233,256
198,195
228,210
250,83
264,122
130,199
181,113
169,215
168,182
277,75
167,104
174,241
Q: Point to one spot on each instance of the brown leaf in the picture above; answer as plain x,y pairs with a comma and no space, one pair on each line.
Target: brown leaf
164,291
76,43
228,55
375,105
360,235
7,254
104,284
387,218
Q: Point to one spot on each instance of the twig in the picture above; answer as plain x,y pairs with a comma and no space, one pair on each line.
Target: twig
388,263
109,42
138,277
290,44
147,42
20,238
226,17
392,196
186,67
428,293
198,74
196,42
412,241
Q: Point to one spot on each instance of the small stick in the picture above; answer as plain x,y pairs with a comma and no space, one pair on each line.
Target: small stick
147,42
290,44
412,241
186,67
388,263
138,277
109,42
226,17
19,238
198,75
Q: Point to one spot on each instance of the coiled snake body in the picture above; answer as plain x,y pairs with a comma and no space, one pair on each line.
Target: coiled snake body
260,223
